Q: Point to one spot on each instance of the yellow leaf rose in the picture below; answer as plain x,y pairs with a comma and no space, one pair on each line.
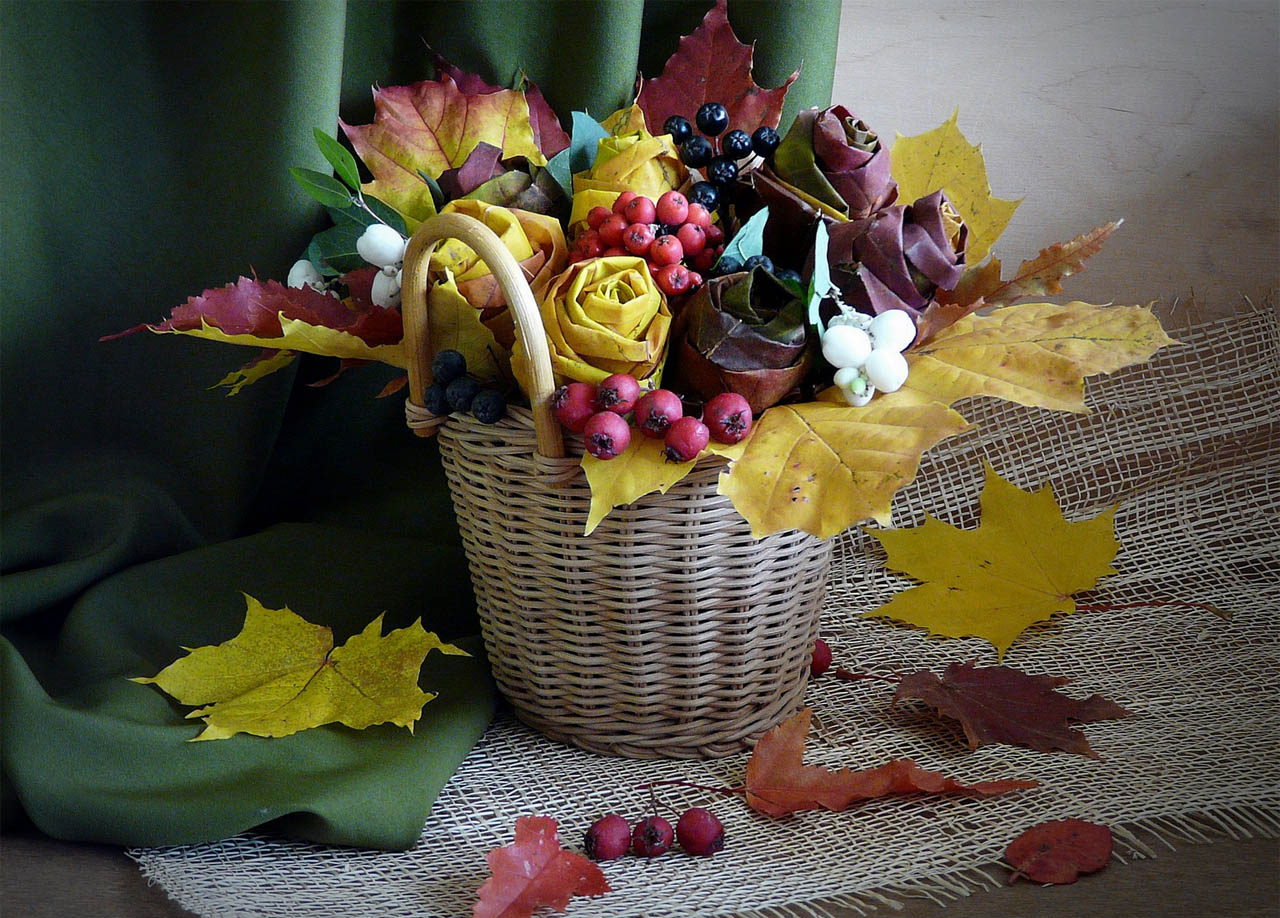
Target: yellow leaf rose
467,310
629,159
602,316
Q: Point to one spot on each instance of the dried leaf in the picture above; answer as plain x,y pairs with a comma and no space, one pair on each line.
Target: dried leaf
779,783
1020,566
999,704
282,674
1035,354
1039,276
944,159
266,362
1059,851
534,871
711,65
821,466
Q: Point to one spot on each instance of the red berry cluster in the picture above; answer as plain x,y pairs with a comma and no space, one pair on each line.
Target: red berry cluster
599,414
698,830
675,236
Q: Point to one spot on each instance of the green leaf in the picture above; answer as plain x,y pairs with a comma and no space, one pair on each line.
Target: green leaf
314,255
749,240
339,157
337,247
356,215
820,284
437,195
324,188
580,155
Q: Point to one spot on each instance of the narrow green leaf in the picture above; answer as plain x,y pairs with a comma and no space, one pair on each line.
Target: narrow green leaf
749,240
340,158
437,196
820,284
324,188
580,155
356,215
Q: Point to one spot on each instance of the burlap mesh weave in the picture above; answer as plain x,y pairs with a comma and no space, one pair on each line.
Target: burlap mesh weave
1188,444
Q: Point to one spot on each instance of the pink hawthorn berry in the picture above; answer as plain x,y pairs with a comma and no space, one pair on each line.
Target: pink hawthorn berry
728,417
666,250
693,239
598,215
637,238
656,411
673,280
640,210
617,393
700,832
612,229
685,439
698,215
608,838
606,435
574,404
672,208
652,836
622,200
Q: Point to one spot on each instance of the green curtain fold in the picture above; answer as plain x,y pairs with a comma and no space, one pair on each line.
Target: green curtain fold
145,157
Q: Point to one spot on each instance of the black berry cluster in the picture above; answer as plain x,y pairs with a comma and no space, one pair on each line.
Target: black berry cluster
453,390
717,156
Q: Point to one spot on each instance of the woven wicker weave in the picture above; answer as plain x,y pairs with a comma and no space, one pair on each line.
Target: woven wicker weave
669,631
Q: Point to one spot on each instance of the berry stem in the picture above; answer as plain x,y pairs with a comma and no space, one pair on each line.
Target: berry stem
1113,606
703,787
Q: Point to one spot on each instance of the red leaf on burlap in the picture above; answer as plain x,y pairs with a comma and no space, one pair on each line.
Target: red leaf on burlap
1059,851
779,783
535,871
999,704
711,65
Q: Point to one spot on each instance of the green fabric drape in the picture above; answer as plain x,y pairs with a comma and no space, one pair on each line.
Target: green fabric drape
145,157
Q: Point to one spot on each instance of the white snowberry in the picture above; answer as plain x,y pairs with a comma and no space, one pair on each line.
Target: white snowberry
846,375
380,245
887,369
893,329
845,346
858,399
385,291
305,274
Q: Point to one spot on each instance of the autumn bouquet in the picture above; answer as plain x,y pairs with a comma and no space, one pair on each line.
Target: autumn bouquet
778,319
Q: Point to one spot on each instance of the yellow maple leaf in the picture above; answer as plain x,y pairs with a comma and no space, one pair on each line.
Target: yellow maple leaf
641,469
943,158
253,371
298,335
1020,566
821,466
282,674
1035,354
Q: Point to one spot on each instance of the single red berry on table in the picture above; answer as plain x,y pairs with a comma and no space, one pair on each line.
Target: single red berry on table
700,832
685,439
666,250
622,200
573,404
638,238
608,838
821,657
640,210
693,238
673,280
597,215
698,215
617,393
652,836
656,411
728,417
606,435
612,228
673,208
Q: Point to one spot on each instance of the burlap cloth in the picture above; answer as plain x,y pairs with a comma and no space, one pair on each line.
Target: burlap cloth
1188,444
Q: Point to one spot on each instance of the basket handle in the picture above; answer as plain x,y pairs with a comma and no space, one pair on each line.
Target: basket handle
520,302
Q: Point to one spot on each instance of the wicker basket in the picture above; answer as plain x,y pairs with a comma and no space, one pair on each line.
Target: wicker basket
669,631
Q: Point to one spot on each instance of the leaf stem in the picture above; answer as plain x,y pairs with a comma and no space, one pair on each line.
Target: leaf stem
1111,607
703,787
844,674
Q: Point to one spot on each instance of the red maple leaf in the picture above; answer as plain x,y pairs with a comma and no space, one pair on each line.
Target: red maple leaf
711,65
779,783
535,871
999,704
1059,851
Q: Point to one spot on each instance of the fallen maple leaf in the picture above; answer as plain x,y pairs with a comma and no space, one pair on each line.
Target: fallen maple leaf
999,704
1020,566
779,783
282,674
535,871
711,65
1059,851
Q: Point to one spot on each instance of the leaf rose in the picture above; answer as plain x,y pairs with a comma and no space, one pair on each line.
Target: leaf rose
834,157
466,308
899,258
629,159
602,316
743,333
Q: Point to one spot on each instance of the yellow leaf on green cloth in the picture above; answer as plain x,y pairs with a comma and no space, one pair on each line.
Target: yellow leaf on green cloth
254,370
1035,354
282,674
821,467
943,158
1020,566
641,469
303,336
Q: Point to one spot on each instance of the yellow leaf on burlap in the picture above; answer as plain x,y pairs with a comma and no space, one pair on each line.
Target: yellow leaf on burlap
282,674
303,336
641,469
943,158
1020,566
1035,354
821,467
